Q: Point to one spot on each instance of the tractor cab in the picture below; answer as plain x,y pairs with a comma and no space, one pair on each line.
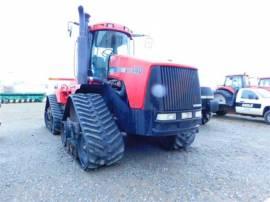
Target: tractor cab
237,81
226,94
107,39
264,83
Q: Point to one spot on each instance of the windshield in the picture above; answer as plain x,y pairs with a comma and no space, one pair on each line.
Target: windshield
265,82
234,81
237,82
105,42
116,41
263,93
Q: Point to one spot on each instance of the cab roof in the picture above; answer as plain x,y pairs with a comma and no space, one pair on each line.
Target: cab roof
111,26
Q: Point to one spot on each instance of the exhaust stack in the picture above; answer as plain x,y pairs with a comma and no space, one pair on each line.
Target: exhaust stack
83,41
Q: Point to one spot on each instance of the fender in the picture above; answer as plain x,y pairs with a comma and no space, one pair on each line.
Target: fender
228,95
228,88
65,90
118,107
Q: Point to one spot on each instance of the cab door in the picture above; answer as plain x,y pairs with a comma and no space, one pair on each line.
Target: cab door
248,102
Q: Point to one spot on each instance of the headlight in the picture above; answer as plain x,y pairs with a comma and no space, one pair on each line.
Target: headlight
198,114
166,117
186,115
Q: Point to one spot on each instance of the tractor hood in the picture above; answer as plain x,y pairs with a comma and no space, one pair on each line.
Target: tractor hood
135,73
129,62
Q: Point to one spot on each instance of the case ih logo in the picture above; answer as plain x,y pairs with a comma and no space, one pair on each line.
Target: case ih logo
131,70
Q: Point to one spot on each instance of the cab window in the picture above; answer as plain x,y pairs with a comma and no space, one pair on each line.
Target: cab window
234,82
247,94
264,83
107,41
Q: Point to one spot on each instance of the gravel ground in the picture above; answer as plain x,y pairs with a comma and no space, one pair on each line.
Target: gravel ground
229,161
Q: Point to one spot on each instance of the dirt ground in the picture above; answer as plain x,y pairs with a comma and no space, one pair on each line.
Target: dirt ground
229,161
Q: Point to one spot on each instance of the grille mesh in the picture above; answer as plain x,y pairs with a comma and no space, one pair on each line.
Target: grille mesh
182,88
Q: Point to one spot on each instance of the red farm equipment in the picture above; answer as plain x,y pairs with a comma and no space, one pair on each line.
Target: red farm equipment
115,95
226,93
264,83
239,96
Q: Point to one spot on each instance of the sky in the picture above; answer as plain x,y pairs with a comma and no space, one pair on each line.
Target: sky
217,37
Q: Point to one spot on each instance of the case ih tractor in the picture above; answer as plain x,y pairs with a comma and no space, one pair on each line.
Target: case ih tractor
115,95
238,96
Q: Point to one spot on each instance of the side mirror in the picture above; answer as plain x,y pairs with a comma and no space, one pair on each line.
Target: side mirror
148,42
69,29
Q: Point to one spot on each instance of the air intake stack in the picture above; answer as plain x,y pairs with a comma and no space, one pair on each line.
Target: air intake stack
83,47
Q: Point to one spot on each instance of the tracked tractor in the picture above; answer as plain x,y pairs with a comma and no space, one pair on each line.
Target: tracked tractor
115,95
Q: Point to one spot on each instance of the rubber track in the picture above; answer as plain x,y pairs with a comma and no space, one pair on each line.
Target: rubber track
57,113
104,142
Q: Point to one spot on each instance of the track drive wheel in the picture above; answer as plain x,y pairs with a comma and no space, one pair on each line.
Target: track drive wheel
53,115
179,141
98,139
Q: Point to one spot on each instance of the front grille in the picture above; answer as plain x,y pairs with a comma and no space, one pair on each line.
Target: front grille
181,85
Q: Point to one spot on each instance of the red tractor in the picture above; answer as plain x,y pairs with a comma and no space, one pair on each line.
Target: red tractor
115,95
238,96
264,83
226,94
